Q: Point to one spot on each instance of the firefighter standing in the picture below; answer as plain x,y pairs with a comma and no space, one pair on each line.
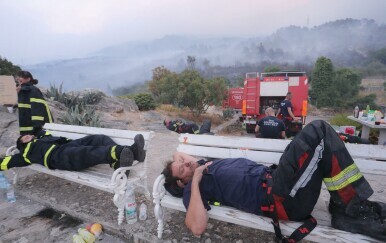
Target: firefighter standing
285,113
33,109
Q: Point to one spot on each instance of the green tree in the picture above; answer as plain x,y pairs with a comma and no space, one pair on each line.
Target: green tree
344,88
191,60
271,69
187,89
7,67
217,87
322,78
380,55
163,85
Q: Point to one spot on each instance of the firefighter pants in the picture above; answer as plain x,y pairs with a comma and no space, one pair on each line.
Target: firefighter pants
316,154
85,152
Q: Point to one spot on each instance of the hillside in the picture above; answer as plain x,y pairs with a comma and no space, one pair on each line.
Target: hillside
347,42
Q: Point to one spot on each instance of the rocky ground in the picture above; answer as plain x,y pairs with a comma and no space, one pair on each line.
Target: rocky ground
49,209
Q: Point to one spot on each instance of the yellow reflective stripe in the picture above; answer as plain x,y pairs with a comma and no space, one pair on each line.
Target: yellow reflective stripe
112,153
48,153
47,133
4,163
21,105
345,183
341,174
216,204
37,118
42,101
26,152
37,100
344,178
26,129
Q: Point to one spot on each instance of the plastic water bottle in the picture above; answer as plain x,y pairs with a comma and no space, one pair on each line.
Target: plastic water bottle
142,211
130,205
6,189
11,194
3,185
356,111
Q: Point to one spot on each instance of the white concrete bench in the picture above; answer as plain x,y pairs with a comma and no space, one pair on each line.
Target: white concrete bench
371,159
101,177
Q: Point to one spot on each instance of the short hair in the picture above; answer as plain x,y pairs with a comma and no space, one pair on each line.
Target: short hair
171,181
19,143
269,110
289,93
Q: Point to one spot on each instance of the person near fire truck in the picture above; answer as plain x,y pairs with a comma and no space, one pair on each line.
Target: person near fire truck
270,126
285,112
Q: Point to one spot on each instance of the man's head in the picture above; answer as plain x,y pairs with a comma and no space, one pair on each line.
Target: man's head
269,112
24,139
178,173
289,96
166,122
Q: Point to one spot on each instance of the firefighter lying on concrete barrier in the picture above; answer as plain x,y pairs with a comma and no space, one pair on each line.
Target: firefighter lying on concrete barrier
74,155
288,191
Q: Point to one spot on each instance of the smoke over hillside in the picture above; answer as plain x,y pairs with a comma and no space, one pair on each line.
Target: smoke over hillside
346,42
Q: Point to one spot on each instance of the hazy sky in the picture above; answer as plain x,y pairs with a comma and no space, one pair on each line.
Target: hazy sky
33,31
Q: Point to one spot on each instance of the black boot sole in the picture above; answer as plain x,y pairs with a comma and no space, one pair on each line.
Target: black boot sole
126,158
140,144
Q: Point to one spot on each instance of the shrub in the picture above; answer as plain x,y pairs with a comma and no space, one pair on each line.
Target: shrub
82,115
228,113
342,120
144,102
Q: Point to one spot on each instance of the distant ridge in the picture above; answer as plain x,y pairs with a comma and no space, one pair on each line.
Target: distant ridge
347,42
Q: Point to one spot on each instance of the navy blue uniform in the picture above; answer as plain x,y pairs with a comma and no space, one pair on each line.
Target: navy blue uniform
64,154
33,110
284,105
271,127
231,182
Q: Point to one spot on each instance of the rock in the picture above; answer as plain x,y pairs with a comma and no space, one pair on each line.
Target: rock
9,130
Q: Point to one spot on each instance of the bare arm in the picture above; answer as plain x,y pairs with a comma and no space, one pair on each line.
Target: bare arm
196,218
292,114
278,112
257,128
283,134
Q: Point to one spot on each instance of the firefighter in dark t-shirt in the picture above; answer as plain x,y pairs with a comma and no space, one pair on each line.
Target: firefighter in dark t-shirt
270,126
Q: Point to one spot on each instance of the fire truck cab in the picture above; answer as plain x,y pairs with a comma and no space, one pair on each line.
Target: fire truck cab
268,90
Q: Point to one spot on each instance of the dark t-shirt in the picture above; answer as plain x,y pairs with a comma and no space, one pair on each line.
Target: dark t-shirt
271,127
231,182
284,107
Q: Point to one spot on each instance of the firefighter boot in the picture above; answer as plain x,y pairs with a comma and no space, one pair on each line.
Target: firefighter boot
137,148
126,158
359,217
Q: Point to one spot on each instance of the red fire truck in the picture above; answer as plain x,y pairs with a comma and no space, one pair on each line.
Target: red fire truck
269,89
234,99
